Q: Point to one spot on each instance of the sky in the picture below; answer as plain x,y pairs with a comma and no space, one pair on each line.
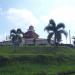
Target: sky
23,13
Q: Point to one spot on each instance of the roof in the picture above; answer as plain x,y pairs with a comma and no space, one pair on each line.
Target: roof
30,34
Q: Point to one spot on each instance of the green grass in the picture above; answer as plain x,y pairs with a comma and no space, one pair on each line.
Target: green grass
32,68
33,50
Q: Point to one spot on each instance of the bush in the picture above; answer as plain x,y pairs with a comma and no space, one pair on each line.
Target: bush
41,73
40,59
66,73
3,61
21,59
60,59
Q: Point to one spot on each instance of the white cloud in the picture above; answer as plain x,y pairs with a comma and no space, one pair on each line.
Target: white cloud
2,37
61,14
20,17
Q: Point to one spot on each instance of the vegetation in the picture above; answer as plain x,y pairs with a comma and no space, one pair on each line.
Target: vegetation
37,60
55,31
16,36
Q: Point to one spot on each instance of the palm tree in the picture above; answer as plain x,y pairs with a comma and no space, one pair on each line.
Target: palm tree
13,35
20,35
16,36
55,31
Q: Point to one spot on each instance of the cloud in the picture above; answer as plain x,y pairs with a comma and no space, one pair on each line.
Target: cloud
2,37
61,14
20,17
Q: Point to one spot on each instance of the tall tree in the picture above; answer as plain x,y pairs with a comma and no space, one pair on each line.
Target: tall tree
55,31
16,36
20,35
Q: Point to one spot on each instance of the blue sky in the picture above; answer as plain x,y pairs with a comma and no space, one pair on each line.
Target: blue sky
23,13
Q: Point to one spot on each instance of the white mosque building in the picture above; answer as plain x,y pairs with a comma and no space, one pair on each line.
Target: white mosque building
30,35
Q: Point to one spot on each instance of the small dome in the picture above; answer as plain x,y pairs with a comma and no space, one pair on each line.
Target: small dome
31,33
31,28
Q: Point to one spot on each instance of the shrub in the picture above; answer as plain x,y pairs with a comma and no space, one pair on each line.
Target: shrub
66,73
21,59
41,73
3,61
42,59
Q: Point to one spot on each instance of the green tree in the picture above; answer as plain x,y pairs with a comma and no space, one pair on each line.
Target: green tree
19,35
16,36
55,31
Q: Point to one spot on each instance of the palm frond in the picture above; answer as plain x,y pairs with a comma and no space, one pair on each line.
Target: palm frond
19,31
13,31
52,22
63,32
60,25
48,28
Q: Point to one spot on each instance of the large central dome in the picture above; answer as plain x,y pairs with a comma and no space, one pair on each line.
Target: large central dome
30,33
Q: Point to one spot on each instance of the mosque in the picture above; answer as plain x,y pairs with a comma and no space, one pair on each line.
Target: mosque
30,35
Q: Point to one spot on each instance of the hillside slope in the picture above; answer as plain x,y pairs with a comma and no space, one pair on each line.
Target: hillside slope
37,60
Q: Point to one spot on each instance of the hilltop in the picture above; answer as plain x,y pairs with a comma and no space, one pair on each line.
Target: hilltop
36,60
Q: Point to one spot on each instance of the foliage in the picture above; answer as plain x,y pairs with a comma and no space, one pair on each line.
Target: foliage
16,36
3,61
55,31
37,60
41,59
41,73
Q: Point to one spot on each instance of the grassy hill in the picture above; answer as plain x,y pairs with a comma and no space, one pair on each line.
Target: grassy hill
37,60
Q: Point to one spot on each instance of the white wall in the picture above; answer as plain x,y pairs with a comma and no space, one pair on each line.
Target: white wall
38,41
